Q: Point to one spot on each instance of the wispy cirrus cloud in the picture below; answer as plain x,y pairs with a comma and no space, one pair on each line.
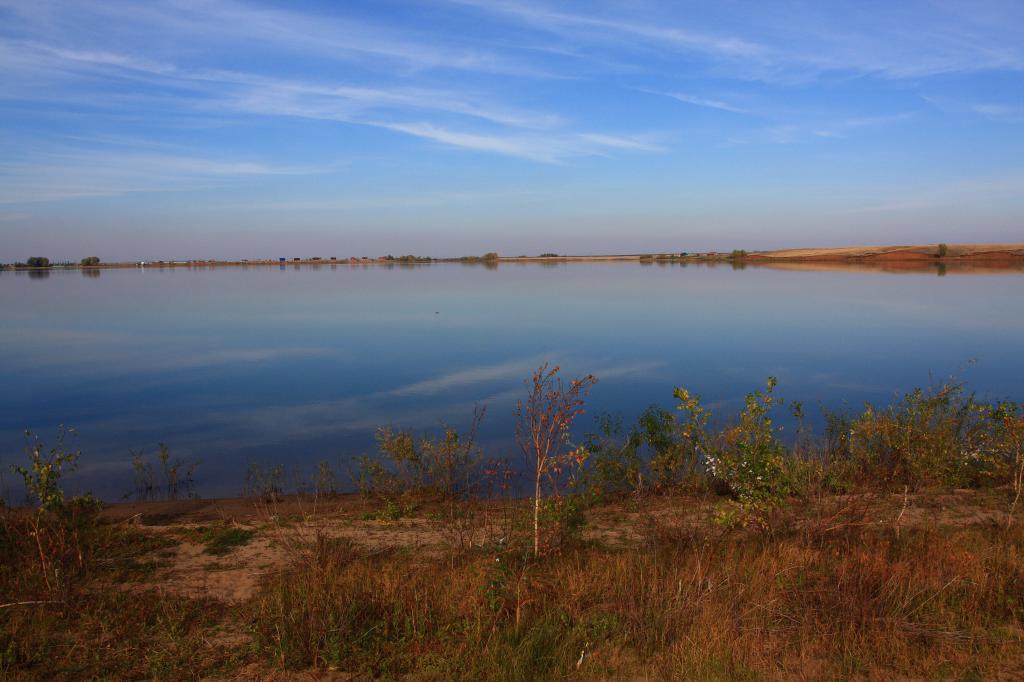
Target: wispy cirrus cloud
551,148
792,133
250,26
1003,112
513,131
592,26
793,42
56,173
706,102
467,97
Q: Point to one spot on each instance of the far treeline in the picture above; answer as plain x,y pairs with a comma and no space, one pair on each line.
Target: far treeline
41,262
938,253
491,257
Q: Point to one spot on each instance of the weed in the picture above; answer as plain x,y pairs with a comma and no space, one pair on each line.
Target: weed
443,467
222,540
146,484
265,481
390,511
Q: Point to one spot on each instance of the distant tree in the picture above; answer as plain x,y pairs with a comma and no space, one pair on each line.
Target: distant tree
738,253
943,250
549,255
38,262
91,260
491,255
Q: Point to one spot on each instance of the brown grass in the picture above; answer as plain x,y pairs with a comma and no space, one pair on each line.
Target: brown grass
865,586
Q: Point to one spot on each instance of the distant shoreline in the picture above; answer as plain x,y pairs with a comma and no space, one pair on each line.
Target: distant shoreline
920,254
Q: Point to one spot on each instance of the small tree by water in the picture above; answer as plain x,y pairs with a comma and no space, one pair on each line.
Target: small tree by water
542,431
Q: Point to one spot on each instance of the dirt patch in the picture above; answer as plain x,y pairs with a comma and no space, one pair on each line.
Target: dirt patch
190,569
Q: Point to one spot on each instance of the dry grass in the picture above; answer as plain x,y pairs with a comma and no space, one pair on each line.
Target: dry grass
818,602
954,250
839,590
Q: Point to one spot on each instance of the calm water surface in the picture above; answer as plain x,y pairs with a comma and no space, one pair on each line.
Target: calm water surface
296,365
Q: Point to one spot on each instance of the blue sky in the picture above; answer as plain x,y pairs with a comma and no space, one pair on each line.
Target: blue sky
229,128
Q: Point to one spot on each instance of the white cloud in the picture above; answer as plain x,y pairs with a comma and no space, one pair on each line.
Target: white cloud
233,93
706,102
792,133
784,42
54,173
545,148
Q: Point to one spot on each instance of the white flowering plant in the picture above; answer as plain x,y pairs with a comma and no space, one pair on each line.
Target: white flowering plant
748,461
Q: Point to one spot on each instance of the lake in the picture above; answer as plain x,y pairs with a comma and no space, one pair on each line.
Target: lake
293,365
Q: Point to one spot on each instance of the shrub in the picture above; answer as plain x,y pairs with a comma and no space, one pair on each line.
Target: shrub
613,459
490,256
657,453
751,462
38,262
90,261
325,482
673,447
943,250
57,537
1011,434
943,436
265,481
46,467
444,466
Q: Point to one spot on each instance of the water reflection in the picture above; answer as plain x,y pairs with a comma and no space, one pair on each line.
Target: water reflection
299,363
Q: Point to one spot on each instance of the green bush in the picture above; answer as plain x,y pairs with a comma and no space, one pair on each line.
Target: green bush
673,456
939,437
613,465
751,462
90,261
51,547
444,466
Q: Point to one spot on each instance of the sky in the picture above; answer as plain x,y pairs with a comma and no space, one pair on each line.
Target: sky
173,129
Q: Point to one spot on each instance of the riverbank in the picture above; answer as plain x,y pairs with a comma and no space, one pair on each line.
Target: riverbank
892,547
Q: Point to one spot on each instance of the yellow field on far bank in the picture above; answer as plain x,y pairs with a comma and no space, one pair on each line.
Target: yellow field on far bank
913,251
